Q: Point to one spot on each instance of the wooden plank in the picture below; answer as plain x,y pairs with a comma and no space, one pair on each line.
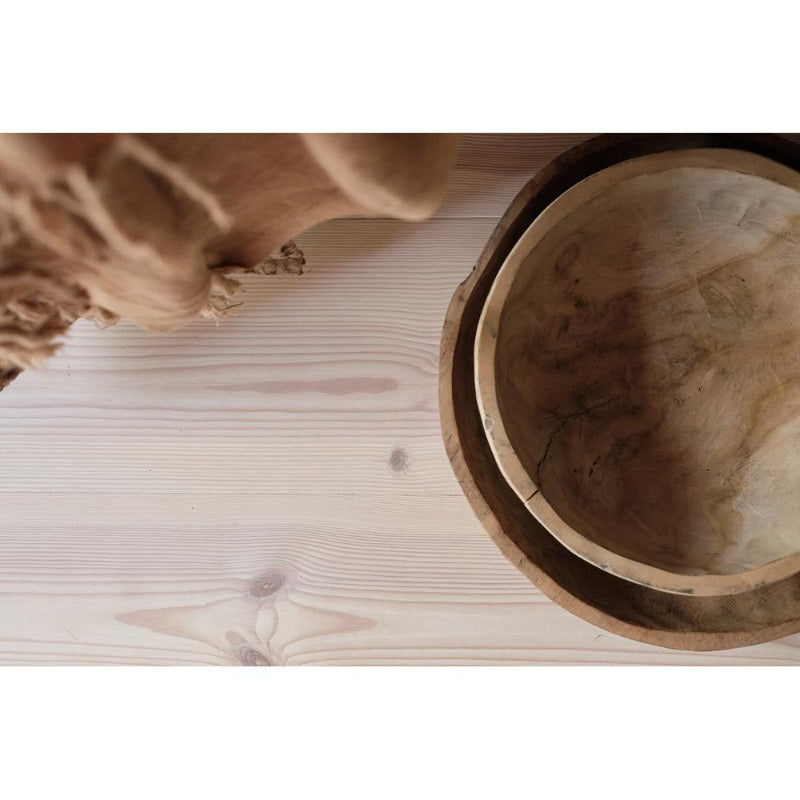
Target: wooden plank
492,168
193,579
325,381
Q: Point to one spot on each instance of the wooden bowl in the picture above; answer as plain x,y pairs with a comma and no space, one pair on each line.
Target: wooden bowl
678,620
638,370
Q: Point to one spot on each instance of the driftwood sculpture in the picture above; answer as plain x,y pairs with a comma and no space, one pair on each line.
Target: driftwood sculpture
152,227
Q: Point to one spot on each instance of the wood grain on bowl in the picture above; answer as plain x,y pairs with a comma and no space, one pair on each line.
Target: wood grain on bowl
675,620
639,374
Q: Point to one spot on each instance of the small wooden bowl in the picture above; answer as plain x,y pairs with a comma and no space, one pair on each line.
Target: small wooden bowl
679,620
638,370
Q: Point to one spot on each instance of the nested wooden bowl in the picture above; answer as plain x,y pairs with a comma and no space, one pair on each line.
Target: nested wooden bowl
638,370
684,619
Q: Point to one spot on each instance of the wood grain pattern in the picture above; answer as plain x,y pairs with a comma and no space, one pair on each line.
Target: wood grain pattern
636,362
275,490
675,620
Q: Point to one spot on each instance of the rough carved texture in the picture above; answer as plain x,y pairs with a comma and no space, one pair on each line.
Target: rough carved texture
646,369
150,227
621,606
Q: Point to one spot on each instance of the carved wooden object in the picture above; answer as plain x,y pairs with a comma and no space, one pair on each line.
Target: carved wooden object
684,619
638,369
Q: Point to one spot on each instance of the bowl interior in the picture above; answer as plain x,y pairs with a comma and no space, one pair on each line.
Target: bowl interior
638,368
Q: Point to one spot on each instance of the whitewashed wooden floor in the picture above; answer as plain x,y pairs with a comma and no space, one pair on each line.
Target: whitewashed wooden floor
274,490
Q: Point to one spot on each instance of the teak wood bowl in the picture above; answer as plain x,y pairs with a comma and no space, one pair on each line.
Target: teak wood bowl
638,370
684,619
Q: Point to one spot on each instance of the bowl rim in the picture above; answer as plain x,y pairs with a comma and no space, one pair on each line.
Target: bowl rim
677,621
576,196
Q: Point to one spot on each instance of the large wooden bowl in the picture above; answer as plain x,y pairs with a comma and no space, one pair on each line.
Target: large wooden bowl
678,620
638,370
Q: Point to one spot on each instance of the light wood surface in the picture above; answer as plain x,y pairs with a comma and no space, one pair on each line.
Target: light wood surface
635,364
275,489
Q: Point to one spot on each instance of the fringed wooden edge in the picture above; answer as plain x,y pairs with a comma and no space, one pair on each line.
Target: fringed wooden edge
287,260
55,228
